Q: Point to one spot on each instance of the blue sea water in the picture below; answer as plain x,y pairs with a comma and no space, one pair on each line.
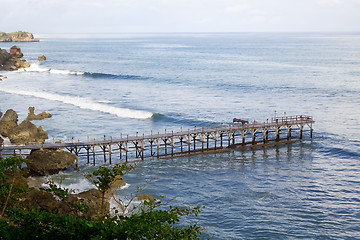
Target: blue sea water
126,83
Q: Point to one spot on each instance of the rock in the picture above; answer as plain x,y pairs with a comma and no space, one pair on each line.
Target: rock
4,56
1,141
118,182
8,122
93,199
31,115
41,58
11,62
44,201
27,133
147,197
10,115
21,64
49,161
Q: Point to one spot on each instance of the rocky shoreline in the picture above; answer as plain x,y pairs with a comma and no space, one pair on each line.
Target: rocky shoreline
46,162
12,61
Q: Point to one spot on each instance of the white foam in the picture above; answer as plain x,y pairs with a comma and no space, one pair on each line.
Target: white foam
83,103
35,67
81,186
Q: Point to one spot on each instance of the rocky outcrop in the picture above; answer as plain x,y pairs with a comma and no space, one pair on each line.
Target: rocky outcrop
46,201
41,58
12,62
8,122
146,197
93,200
17,37
118,182
27,133
4,56
32,116
45,162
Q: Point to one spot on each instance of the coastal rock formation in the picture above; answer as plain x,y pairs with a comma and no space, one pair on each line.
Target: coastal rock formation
4,56
42,200
11,61
17,37
8,122
146,197
118,182
93,200
27,133
41,58
49,161
32,116
46,201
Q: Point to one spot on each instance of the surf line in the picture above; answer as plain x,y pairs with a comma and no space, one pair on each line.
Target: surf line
83,103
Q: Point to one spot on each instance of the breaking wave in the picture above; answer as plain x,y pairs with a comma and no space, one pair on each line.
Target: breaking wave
84,103
35,67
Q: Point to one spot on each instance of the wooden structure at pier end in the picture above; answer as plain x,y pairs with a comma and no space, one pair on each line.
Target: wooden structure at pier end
240,135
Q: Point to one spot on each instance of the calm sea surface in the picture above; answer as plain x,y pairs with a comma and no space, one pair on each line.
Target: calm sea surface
107,85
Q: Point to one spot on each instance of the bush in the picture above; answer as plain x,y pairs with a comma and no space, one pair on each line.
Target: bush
147,223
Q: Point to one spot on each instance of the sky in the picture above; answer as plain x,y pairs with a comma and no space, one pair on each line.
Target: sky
132,16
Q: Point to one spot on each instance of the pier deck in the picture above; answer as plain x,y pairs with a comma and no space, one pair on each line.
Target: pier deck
174,144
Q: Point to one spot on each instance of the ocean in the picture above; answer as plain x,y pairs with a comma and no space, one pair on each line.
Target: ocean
98,86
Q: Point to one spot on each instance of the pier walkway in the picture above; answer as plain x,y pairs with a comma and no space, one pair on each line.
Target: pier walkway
241,134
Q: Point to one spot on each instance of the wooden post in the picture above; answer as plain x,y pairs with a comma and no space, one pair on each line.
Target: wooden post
288,132
202,142
221,140
120,146
301,131
253,133
94,153
277,133
110,153
165,140
104,150
151,147
207,141
126,151
189,142
172,145
181,144
88,154
158,145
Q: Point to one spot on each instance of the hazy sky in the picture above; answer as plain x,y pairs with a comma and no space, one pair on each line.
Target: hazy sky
116,16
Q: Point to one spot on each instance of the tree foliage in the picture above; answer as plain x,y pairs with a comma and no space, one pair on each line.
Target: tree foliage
147,223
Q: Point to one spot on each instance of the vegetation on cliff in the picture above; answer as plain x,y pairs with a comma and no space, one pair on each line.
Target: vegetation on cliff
21,220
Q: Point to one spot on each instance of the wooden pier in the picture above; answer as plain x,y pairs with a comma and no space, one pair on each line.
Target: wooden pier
240,135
